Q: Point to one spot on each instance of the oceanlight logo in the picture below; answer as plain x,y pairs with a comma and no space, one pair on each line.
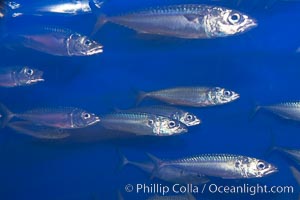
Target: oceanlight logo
250,189
207,188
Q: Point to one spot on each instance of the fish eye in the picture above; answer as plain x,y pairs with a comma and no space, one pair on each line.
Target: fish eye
28,71
150,122
88,42
171,124
86,116
227,93
261,165
189,117
234,18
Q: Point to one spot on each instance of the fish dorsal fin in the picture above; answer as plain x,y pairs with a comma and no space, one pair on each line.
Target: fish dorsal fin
155,160
193,18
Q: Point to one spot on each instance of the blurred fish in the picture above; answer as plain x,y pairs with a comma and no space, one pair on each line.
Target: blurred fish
187,118
287,110
298,50
142,124
187,196
168,173
192,21
19,76
225,166
38,131
65,118
62,7
56,41
296,174
192,96
293,154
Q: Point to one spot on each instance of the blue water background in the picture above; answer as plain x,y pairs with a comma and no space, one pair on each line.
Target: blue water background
261,65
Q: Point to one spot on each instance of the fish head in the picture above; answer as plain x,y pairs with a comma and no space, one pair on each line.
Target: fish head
221,95
164,126
82,118
27,76
255,168
224,22
79,45
189,119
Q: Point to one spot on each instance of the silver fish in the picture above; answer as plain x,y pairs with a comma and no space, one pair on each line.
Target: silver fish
225,166
37,131
142,124
65,118
192,96
185,117
62,7
57,41
19,76
187,196
194,21
168,173
288,110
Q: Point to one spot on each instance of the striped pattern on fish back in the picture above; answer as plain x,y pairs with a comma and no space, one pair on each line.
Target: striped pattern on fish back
295,104
128,116
182,92
53,110
208,158
176,9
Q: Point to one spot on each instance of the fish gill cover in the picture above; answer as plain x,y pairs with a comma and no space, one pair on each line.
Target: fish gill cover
200,96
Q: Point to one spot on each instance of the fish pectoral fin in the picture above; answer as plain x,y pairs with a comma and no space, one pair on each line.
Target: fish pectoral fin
193,18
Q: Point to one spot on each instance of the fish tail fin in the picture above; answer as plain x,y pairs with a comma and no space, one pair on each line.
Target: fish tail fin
123,160
5,115
101,20
141,95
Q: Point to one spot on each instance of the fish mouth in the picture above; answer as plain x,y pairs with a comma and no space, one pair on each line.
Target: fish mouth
272,170
37,80
97,119
194,123
235,96
251,23
95,50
